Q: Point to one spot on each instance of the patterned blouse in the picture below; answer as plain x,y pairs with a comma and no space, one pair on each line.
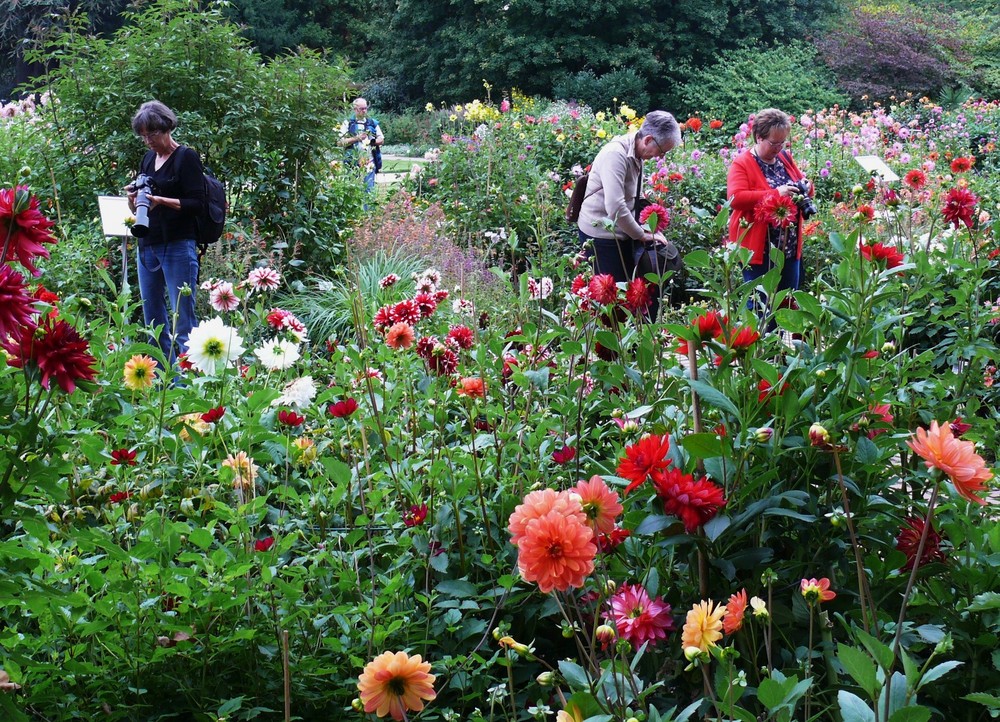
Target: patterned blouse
785,239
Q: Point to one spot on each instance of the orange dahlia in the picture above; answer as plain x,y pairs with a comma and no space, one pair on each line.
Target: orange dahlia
539,503
955,457
703,627
557,552
599,502
393,684
735,610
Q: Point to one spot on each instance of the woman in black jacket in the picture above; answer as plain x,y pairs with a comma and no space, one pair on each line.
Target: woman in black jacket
168,253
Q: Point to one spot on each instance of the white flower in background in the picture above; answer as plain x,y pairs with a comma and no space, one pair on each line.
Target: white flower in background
263,279
223,297
298,393
539,290
210,284
463,306
212,344
277,355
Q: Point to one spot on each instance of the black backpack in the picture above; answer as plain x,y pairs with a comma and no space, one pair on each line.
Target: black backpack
212,219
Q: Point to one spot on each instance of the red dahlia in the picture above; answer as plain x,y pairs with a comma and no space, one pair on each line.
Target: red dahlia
637,295
603,288
16,306
693,501
23,229
57,350
877,252
776,210
909,539
959,205
646,456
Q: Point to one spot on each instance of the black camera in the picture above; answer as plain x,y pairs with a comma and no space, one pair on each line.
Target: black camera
143,187
806,205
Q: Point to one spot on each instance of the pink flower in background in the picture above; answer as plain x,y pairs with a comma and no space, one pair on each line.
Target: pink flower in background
599,503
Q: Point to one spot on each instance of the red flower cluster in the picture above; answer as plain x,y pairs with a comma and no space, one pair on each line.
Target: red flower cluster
637,295
693,124
16,306
122,457
342,409
564,455
962,164
56,349
959,206
213,415
879,252
693,501
909,539
415,516
915,179
662,216
264,545
23,229
776,210
643,458
290,418
603,288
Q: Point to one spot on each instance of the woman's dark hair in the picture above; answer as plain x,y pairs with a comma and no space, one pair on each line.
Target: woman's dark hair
767,120
154,116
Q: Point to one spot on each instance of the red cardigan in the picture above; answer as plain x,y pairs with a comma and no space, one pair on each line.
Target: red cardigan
745,188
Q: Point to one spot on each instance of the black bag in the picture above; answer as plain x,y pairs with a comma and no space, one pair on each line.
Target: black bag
212,219
577,198
657,258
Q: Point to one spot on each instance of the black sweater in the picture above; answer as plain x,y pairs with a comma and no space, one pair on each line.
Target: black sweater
182,176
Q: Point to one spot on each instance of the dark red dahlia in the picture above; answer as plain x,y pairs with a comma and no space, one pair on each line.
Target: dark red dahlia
909,539
693,501
16,306
23,228
57,350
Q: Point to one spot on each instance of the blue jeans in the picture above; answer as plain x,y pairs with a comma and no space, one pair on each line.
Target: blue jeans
163,269
370,181
791,274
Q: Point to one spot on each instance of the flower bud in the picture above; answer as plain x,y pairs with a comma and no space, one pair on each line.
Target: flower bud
567,630
692,653
945,646
610,587
763,434
356,705
818,435
605,635
546,679
888,347
858,189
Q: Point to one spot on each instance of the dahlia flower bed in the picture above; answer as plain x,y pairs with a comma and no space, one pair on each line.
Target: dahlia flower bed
531,503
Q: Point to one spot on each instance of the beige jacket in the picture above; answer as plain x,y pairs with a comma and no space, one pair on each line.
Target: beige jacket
614,183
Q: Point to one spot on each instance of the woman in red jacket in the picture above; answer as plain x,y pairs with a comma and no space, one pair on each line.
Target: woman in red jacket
762,195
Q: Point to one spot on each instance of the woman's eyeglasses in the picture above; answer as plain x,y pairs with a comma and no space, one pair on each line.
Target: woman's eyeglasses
782,144
150,134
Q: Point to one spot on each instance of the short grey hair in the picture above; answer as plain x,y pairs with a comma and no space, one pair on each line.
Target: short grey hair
359,100
767,120
154,116
663,127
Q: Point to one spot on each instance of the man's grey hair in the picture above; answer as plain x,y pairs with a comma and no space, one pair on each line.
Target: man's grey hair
358,101
663,127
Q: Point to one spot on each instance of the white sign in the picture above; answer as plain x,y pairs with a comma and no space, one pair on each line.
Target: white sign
874,164
114,211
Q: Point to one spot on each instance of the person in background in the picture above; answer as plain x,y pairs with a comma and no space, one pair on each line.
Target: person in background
168,253
614,185
759,176
363,132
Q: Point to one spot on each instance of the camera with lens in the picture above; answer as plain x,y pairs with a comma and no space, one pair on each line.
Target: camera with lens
806,205
143,188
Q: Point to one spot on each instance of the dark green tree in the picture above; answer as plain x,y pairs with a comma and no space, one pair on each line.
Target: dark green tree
443,50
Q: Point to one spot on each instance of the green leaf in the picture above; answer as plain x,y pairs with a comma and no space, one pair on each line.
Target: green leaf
860,666
574,674
938,671
853,708
713,396
457,588
990,700
703,446
984,602
653,523
866,451
911,714
201,537
881,652
230,705
772,694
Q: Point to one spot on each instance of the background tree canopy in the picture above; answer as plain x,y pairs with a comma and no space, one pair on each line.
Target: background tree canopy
411,52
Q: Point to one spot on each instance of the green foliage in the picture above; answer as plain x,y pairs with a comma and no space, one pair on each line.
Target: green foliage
744,81
604,91
263,128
